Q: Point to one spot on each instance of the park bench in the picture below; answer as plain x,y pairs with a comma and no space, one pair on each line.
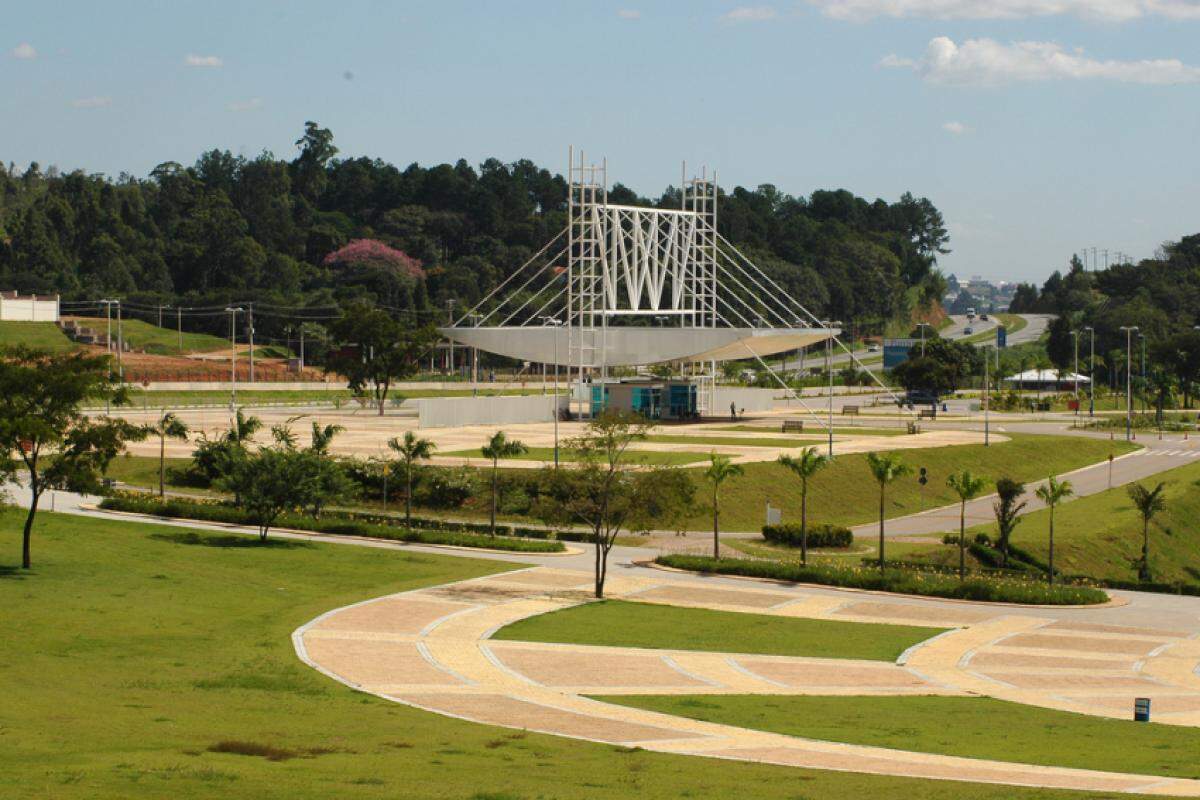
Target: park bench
793,426
849,411
927,413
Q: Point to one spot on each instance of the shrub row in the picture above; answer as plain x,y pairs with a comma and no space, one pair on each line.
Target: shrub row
824,535
902,581
331,524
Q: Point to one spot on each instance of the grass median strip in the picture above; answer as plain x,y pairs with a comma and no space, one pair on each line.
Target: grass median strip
657,457
974,727
619,623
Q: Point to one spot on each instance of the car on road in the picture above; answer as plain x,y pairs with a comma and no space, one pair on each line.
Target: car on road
872,348
983,317
967,331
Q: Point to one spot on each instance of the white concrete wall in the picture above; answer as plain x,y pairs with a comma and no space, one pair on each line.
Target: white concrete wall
448,412
26,309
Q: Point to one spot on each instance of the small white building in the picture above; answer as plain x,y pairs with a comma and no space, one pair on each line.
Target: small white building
1046,380
28,308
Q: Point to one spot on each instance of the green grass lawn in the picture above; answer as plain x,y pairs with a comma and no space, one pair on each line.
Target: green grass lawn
631,456
1101,535
975,727
845,494
141,335
130,650
818,433
617,623
40,335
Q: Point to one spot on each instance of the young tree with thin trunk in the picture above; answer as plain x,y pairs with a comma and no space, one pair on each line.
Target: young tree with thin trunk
1053,492
804,466
411,449
1007,511
498,447
377,350
322,437
1148,502
43,430
885,469
966,486
720,469
168,425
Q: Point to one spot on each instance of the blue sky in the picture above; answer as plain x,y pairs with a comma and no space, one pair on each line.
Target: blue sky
1038,126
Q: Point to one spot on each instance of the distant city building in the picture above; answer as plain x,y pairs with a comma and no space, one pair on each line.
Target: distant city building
28,308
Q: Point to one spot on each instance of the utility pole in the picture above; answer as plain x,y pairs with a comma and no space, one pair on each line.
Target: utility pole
301,346
922,326
179,327
108,324
1075,342
987,400
1129,329
450,352
829,371
1091,371
250,330
120,344
233,312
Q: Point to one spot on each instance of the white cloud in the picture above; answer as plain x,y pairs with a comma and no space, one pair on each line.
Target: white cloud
957,128
193,60
253,104
750,14
98,101
1107,10
629,13
24,51
986,62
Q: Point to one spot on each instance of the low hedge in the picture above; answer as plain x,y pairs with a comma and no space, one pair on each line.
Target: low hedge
333,523
824,535
902,581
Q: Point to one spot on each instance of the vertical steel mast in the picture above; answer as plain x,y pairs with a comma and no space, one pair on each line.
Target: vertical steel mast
587,194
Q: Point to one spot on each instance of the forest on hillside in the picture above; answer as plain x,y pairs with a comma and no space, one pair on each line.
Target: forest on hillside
318,231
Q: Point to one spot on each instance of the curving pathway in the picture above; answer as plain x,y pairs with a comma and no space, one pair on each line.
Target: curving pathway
431,649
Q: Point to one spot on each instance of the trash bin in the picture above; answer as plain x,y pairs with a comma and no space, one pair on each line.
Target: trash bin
1141,709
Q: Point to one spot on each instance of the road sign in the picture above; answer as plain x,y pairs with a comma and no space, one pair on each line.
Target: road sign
1001,336
895,351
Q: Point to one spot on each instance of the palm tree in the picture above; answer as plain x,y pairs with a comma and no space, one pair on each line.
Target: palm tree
498,447
885,468
411,449
1008,512
1053,492
244,427
1149,502
966,486
807,464
167,425
323,437
720,469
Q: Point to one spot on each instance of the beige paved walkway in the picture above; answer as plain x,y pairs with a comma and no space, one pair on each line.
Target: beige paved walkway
432,649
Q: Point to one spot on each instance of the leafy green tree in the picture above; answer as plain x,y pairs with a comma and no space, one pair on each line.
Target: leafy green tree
885,469
720,469
44,431
378,350
168,425
1007,511
269,483
597,491
1149,502
410,449
1053,492
804,467
967,486
498,447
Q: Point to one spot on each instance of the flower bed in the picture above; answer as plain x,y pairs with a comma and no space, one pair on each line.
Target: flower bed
902,581
334,524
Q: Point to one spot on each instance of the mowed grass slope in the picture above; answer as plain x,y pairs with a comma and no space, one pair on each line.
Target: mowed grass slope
974,727
38,335
1101,535
617,623
131,650
141,335
844,493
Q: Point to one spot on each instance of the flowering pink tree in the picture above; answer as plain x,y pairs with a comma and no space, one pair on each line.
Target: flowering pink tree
374,253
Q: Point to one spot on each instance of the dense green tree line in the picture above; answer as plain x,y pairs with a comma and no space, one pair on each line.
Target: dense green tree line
263,228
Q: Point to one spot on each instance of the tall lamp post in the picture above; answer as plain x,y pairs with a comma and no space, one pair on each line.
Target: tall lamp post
987,400
829,370
1075,344
1091,371
233,312
922,326
1129,329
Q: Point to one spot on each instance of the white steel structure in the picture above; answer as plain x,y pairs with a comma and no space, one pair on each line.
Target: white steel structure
627,286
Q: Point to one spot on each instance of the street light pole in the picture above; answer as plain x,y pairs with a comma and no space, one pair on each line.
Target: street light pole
922,326
1091,371
554,322
233,312
1075,342
829,370
1129,329
987,400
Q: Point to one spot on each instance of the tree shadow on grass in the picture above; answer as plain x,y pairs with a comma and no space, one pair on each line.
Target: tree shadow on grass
226,540
13,573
